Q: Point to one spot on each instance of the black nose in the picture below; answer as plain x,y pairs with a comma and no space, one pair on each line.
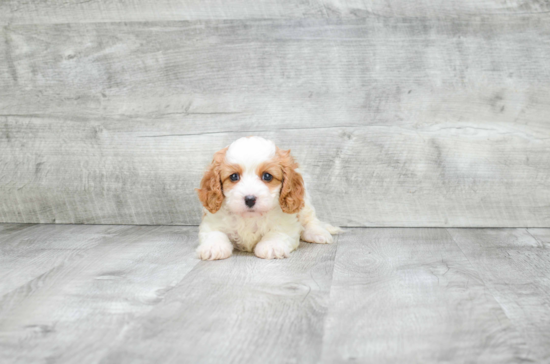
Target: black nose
250,200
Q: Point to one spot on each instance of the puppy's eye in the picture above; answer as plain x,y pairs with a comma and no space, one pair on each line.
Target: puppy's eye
234,177
267,177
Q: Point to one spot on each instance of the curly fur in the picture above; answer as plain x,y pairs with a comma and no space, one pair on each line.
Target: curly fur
281,215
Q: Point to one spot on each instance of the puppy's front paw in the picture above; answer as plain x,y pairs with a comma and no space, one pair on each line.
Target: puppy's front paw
215,250
272,249
314,233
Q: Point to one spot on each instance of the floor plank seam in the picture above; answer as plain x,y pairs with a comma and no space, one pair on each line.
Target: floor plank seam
329,299
527,357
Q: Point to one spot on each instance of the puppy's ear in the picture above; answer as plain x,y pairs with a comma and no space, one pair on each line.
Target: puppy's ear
210,193
292,193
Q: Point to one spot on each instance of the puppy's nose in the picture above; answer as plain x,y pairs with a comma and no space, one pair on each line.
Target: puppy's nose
249,200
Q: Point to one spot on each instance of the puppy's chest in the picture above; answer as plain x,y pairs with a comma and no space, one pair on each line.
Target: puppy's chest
246,234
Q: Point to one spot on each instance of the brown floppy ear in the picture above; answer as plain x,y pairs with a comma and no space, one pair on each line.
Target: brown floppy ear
210,193
292,193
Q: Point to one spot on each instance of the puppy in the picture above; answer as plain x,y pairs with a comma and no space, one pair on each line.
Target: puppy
254,199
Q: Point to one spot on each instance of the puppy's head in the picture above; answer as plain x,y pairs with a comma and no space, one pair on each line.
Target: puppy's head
252,176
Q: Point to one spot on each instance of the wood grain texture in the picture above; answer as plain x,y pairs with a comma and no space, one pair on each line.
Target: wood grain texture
515,266
64,11
29,253
240,310
8,229
97,282
410,295
118,294
399,123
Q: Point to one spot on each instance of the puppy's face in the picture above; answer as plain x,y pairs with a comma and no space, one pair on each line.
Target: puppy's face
251,177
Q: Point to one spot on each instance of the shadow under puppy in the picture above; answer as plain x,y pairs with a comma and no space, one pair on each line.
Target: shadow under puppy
254,199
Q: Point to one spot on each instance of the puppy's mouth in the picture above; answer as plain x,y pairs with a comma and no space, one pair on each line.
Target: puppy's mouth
252,213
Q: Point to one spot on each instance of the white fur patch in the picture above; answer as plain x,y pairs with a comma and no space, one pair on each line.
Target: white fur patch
250,151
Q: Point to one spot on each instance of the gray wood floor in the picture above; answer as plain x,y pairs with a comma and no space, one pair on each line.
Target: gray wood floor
117,294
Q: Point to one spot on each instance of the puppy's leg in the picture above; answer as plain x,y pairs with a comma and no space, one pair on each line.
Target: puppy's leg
276,245
315,231
214,245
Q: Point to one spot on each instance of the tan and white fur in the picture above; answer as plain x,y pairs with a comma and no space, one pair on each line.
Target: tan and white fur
255,199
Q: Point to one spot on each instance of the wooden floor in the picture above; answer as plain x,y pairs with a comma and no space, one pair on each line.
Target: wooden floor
120,294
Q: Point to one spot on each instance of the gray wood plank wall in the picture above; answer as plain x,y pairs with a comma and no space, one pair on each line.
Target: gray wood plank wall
414,113
63,11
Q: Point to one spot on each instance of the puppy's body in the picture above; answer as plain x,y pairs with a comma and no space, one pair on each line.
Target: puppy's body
255,200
